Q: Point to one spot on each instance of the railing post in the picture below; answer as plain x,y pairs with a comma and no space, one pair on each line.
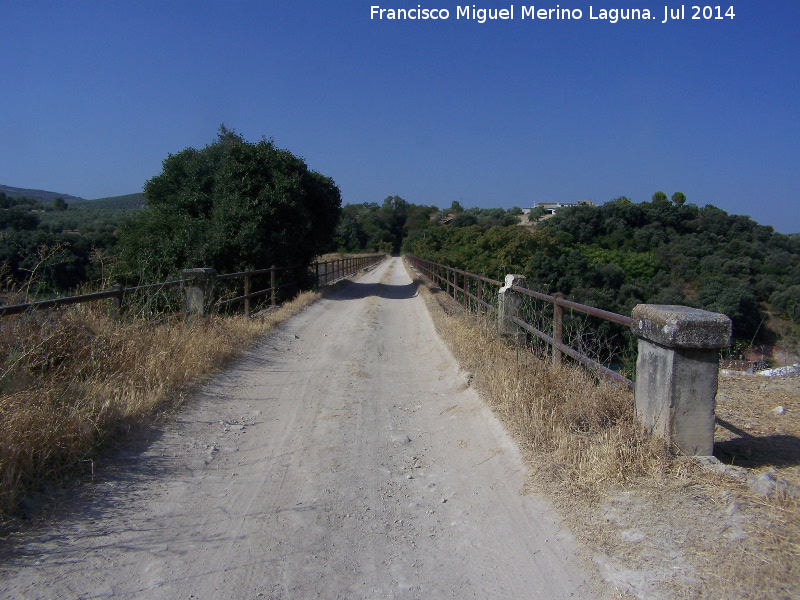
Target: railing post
247,292
197,293
117,300
272,282
478,305
448,270
466,299
558,320
508,307
676,372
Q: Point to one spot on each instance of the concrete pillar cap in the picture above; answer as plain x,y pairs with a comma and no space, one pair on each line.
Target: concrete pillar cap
512,280
681,326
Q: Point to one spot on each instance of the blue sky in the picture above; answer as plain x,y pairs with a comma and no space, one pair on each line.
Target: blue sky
96,94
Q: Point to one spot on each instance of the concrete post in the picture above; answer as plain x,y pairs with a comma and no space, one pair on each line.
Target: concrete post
508,306
676,372
197,293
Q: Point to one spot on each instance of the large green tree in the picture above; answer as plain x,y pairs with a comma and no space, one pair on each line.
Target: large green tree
232,205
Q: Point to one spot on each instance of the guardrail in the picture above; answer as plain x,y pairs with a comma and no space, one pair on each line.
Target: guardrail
330,271
678,348
322,273
472,290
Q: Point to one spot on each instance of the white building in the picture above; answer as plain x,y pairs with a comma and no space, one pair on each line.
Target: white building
551,207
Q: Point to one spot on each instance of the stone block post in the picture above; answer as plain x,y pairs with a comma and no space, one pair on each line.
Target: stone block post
197,293
676,372
508,306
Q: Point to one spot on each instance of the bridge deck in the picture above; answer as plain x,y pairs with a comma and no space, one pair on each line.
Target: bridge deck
343,457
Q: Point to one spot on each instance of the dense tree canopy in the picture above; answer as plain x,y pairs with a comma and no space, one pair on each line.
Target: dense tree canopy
619,254
232,205
380,227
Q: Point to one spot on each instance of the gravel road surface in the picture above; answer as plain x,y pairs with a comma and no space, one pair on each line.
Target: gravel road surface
344,456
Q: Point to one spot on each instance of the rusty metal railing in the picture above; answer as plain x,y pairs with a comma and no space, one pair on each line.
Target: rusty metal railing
322,273
447,278
331,271
472,287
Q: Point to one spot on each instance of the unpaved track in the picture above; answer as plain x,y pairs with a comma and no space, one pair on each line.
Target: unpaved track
343,457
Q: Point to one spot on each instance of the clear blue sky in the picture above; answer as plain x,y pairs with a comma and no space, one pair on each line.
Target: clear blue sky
95,95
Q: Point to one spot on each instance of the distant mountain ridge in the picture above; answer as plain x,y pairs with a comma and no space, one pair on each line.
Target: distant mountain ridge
125,202
41,195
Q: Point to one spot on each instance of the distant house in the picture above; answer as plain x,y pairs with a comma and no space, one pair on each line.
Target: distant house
551,207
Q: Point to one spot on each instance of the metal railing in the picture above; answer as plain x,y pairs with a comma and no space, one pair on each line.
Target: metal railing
473,288
473,293
331,271
326,272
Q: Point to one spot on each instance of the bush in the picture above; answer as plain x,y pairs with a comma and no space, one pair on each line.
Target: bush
787,303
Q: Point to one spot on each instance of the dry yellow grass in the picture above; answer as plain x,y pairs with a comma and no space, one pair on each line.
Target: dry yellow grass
72,382
581,430
667,527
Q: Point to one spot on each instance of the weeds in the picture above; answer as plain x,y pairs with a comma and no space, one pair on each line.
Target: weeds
73,382
582,431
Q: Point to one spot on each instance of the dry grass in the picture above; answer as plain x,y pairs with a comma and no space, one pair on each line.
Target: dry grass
580,432
75,381
656,526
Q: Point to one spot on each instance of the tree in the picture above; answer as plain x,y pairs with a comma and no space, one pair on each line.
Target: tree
679,198
659,198
232,205
59,204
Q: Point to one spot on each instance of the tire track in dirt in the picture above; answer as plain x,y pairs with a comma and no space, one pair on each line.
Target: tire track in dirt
343,457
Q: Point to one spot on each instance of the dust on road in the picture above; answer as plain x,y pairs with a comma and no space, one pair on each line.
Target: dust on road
343,457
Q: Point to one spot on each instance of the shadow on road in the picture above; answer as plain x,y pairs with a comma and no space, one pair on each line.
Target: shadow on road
357,291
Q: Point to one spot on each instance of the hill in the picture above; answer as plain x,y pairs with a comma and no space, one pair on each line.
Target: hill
40,195
125,202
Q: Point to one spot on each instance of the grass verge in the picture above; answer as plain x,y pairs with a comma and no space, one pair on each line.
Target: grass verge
655,526
74,382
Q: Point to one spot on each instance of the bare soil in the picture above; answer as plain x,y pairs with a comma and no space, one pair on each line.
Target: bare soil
759,423
343,457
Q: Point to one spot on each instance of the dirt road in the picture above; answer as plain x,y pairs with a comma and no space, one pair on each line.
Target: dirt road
343,457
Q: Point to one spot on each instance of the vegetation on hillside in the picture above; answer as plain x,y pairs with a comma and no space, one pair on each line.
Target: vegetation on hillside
621,254
126,202
54,245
